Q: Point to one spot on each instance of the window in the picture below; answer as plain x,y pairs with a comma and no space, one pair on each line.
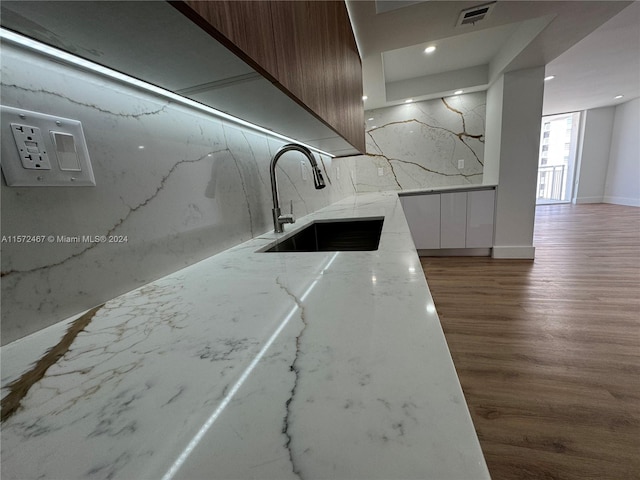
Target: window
556,162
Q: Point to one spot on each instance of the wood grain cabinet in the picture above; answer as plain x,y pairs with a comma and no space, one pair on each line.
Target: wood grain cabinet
306,48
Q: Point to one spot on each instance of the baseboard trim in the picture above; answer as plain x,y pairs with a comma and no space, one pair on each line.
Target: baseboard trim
589,200
630,202
455,252
527,253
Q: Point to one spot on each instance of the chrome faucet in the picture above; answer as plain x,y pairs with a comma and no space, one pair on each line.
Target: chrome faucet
278,219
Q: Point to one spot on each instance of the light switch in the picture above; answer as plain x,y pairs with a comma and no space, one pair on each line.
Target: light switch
66,151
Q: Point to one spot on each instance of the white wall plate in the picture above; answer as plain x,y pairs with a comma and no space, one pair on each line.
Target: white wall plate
40,150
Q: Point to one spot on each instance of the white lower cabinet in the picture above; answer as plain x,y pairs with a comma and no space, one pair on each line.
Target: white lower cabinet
480,214
451,219
423,217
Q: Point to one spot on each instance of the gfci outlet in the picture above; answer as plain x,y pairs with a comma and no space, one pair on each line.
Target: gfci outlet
460,164
32,151
381,171
47,150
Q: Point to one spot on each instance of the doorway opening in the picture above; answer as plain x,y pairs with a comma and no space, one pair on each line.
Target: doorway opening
557,159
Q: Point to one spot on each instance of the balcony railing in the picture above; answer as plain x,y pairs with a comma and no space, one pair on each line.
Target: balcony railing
551,182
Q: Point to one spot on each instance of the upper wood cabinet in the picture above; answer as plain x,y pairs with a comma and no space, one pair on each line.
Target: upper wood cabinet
289,67
243,26
306,48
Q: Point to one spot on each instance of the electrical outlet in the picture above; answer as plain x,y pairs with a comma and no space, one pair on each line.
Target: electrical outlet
47,151
460,164
305,175
33,153
381,171
338,173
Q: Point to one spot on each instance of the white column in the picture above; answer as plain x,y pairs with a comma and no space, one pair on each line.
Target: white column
511,157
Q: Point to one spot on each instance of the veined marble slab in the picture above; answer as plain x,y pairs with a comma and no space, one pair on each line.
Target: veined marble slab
176,184
253,365
419,145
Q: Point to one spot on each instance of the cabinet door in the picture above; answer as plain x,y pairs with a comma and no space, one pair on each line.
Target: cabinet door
306,48
480,213
318,61
245,27
423,216
453,220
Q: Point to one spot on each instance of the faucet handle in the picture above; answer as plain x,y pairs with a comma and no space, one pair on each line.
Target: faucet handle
287,218
290,218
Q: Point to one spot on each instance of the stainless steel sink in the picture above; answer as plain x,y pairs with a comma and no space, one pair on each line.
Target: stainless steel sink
350,234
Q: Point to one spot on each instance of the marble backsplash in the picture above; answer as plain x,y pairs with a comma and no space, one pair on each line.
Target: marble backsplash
418,145
178,184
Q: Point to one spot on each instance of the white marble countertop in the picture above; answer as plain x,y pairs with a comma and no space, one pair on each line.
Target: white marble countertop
252,366
457,188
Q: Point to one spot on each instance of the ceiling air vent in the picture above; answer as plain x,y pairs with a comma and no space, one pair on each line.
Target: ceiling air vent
471,16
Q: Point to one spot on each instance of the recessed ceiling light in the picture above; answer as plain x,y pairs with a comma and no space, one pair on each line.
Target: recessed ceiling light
458,92
408,100
364,97
618,97
550,77
141,147
430,49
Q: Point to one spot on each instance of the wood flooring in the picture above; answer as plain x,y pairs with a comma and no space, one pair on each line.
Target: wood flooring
548,351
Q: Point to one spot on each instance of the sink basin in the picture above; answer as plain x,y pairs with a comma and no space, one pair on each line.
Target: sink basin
350,234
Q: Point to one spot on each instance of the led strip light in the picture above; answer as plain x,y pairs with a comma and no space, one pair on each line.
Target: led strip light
32,44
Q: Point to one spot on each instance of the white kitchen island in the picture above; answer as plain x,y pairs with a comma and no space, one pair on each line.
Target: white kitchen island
253,365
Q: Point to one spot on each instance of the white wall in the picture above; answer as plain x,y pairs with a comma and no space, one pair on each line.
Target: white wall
623,175
493,133
198,187
596,126
517,147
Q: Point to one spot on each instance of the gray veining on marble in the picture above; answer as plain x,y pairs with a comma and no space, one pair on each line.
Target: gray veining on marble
254,365
180,185
418,145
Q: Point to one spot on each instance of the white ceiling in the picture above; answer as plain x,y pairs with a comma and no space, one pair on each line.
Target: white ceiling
392,35
592,72
453,53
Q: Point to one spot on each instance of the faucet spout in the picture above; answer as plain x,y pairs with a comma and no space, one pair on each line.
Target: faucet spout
318,181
